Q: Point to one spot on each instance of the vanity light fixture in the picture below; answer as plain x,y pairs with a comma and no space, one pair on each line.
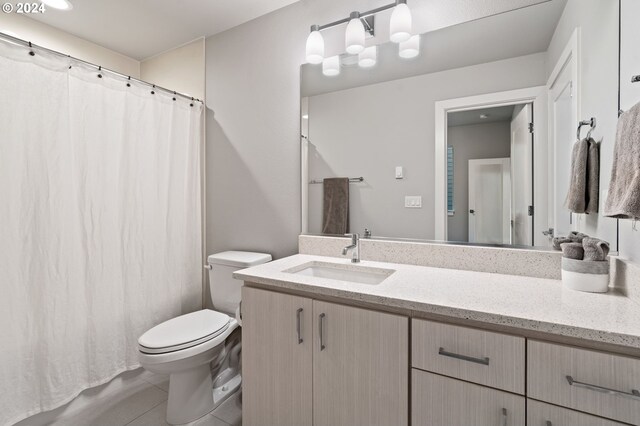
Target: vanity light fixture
354,36
357,27
368,57
58,4
410,48
331,66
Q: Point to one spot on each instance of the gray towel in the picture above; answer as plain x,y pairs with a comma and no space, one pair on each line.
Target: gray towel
572,251
335,209
558,241
576,236
593,177
623,201
577,196
595,249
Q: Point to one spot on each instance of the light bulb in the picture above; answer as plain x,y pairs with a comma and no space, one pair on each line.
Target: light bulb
400,25
354,36
315,46
367,58
331,66
58,4
410,48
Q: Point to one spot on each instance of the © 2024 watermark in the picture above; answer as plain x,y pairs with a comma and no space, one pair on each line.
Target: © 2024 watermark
24,8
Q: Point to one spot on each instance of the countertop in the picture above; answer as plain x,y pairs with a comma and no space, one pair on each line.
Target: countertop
536,304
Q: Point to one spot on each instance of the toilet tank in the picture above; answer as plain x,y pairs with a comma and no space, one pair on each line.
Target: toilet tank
224,290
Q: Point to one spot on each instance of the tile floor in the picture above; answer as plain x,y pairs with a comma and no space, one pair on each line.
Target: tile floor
134,398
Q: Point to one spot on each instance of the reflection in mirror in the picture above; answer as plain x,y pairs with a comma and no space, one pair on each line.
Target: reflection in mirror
471,141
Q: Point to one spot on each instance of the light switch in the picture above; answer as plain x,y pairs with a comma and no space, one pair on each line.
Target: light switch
413,201
399,172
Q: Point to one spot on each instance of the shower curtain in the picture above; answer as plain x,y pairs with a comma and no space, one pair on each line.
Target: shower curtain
100,224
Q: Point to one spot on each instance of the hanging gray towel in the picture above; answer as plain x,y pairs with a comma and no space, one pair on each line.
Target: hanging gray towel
335,209
593,177
623,201
577,196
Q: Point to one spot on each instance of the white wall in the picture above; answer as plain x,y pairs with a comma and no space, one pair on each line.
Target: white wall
472,142
598,68
52,38
629,96
367,131
181,69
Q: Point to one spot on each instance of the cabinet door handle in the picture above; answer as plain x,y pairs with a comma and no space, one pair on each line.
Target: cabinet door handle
321,325
298,321
483,361
504,417
633,394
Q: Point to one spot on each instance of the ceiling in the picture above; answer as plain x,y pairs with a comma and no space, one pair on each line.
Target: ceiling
465,118
143,28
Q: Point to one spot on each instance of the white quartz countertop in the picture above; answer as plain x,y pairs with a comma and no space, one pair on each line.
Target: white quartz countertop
536,304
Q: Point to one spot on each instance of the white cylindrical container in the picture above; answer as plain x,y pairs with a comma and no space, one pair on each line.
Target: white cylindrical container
585,275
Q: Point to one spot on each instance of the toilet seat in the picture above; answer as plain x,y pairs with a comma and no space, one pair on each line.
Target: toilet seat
184,332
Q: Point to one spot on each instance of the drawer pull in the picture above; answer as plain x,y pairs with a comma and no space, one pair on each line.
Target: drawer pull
633,394
483,361
321,325
504,417
298,321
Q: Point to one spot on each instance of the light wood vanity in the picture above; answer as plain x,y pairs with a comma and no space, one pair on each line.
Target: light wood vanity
310,358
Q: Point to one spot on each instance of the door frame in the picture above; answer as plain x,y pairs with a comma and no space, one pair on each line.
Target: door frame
535,95
506,201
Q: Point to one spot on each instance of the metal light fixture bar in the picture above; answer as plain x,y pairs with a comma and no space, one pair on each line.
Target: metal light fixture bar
362,15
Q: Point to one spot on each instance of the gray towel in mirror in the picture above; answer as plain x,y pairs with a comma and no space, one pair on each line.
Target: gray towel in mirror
593,177
577,196
335,208
558,241
623,201
576,236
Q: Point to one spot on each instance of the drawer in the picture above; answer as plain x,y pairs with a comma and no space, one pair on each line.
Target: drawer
595,382
491,359
442,401
541,414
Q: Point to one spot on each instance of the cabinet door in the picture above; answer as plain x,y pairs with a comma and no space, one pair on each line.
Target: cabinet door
276,359
541,414
360,367
442,401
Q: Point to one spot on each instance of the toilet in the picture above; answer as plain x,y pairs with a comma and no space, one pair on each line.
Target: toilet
184,347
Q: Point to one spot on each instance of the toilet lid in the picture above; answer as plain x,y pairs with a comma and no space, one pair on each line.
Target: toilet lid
184,332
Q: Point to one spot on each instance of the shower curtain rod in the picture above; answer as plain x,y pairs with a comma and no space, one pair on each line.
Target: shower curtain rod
100,68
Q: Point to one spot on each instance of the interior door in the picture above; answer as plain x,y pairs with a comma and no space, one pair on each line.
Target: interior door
562,118
490,201
276,359
360,367
522,176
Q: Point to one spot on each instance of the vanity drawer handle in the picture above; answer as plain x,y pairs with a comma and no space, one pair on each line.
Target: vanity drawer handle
483,361
504,417
633,394
298,321
321,325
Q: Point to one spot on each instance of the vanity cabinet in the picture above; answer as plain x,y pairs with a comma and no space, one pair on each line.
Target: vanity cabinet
541,414
310,362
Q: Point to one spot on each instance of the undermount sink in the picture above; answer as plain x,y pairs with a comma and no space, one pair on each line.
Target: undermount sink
341,272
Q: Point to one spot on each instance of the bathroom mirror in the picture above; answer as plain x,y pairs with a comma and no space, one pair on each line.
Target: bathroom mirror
470,141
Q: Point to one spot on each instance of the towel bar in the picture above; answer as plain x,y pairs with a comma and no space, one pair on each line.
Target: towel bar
351,180
590,122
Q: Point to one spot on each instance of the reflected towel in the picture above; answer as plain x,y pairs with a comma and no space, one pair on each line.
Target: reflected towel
593,177
335,208
577,196
623,201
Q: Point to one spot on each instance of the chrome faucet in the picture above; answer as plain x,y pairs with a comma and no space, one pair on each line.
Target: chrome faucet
355,246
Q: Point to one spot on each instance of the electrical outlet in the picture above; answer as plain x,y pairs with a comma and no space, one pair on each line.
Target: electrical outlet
413,201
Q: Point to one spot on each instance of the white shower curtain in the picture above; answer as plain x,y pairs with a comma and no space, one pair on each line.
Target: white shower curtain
100,225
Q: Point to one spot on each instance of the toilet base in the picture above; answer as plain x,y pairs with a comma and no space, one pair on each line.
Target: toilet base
190,395
223,392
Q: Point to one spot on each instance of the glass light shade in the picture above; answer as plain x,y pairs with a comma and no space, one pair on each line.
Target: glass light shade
58,4
354,36
400,26
367,58
331,66
410,48
315,48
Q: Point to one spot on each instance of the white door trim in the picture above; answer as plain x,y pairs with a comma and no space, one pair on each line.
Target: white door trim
533,95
